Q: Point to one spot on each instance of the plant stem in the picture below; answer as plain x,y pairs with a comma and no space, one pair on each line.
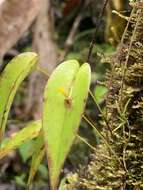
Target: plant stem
102,137
43,71
100,110
85,141
96,30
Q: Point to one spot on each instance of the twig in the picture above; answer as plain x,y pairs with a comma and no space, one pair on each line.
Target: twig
70,38
74,28
96,30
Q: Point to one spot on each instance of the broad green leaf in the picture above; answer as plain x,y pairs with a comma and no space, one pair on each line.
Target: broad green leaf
38,154
64,100
31,131
10,79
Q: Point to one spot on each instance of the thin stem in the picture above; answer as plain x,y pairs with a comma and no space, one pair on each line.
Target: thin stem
85,141
127,26
121,15
96,30
102,137
43,71
127,58
100,110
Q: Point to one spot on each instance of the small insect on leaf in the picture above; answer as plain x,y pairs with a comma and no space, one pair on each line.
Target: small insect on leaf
68,99
68,102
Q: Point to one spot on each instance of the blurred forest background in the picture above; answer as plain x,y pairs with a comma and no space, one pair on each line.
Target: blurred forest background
57,30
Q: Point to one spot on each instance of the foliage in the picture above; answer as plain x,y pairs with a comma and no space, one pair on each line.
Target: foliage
116,162
10,79
64,100
65,96
31,131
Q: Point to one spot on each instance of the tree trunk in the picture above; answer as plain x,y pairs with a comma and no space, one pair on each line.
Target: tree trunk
115,25
15,18
44,45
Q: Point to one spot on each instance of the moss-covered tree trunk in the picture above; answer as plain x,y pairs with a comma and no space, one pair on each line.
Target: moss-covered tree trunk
120,167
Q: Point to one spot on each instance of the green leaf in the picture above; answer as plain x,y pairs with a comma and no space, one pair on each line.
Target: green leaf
25,150
64,100
20,180
10,79
99,93
31,131
38,154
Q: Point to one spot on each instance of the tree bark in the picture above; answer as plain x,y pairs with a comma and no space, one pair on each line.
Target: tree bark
44,42
45,46
15,18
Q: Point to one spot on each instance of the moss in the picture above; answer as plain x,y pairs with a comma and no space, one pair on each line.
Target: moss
124,104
